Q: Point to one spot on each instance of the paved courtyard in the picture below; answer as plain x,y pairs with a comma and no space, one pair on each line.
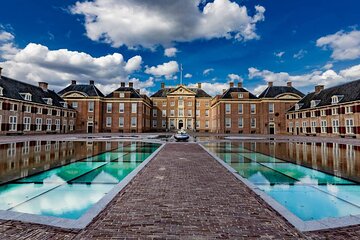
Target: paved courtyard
183,193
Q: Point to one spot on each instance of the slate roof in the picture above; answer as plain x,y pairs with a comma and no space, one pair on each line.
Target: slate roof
350,92
272,92
89,89
12,89
133,94
165,91
227,93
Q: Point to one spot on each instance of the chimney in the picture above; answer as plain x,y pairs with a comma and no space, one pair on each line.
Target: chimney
232,84
240,84
43,86
0,71
162,85
131,84
289,84
122,84
91,82
270,84
319,88
199,85
73,82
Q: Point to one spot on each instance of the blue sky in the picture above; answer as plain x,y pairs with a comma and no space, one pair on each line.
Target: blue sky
307,42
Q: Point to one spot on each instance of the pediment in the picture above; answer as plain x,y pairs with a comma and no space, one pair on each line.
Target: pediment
288,96
74,94
181,90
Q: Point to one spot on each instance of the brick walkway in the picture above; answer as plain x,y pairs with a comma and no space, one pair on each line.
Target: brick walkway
182,194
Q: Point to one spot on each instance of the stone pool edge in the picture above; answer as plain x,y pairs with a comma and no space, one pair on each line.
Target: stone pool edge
303,226
89,215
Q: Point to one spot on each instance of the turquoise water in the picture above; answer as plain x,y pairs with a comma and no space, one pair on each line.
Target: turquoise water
69,191
308,193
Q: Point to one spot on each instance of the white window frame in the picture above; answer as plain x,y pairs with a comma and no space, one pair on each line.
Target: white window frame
227,122
38,122
335,126
27,123
13,123
241,122
121,122
133,123
108,107
323,126
271,107
253,122
91,106
48,124
349,127
108,121
227,108
133,107
253,108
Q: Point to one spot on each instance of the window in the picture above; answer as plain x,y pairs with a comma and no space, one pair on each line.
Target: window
13,107
154,112
189,104
227,108
334,99
172,123
181,113
57,124
108,107
313,127
26,96
121,95
48,124
108,121
322,112
64,104
271,107
304,125
349,124
134,108
121,107
207,112
181,103
348,109
303,114
312,113
197,112
240,95
74,104
314,103
155,104
163,123
172,103
49,111
164,113
133,121
198,124
58,113
39,110
172,112
290,127
48,101
1,103
164,104
0,122
121,122
241,122
252,108
334,111
323,126
335,126
207,104
1,91
197,104
207,124
27,109
13,123
38,122
189,123
154,123
91,107
27,122
189,113
253,122
71,124
240,109
228,122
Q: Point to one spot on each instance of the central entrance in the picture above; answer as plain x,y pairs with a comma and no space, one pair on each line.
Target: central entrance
181,124
90,127
271,128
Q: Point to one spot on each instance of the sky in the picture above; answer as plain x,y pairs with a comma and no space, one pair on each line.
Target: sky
214,42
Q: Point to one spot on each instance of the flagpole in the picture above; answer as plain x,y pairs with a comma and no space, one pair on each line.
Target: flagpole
181,69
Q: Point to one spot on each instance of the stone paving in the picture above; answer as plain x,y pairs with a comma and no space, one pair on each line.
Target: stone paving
183,193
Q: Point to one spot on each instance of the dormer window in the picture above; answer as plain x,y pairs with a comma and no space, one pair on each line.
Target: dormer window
64,104
298,106
1,91
48,101
26,96
314,103
121,95
240,95
336,99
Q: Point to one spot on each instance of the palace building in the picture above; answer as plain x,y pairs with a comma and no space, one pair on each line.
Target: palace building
25,108
330,112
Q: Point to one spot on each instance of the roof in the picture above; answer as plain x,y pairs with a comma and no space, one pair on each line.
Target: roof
272,92
227,93
13,88
165,91
133,93
349,91
89,89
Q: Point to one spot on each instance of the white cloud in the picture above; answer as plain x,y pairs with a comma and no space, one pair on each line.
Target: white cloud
207,71
300,54
188,75
234,77
138,84
6,36
166,70
212,88
326,77
328,66
279,54
133,64
345,45
259,89
150,23
170,52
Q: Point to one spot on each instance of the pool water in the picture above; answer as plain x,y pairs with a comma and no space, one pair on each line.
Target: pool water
308,193
68,191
